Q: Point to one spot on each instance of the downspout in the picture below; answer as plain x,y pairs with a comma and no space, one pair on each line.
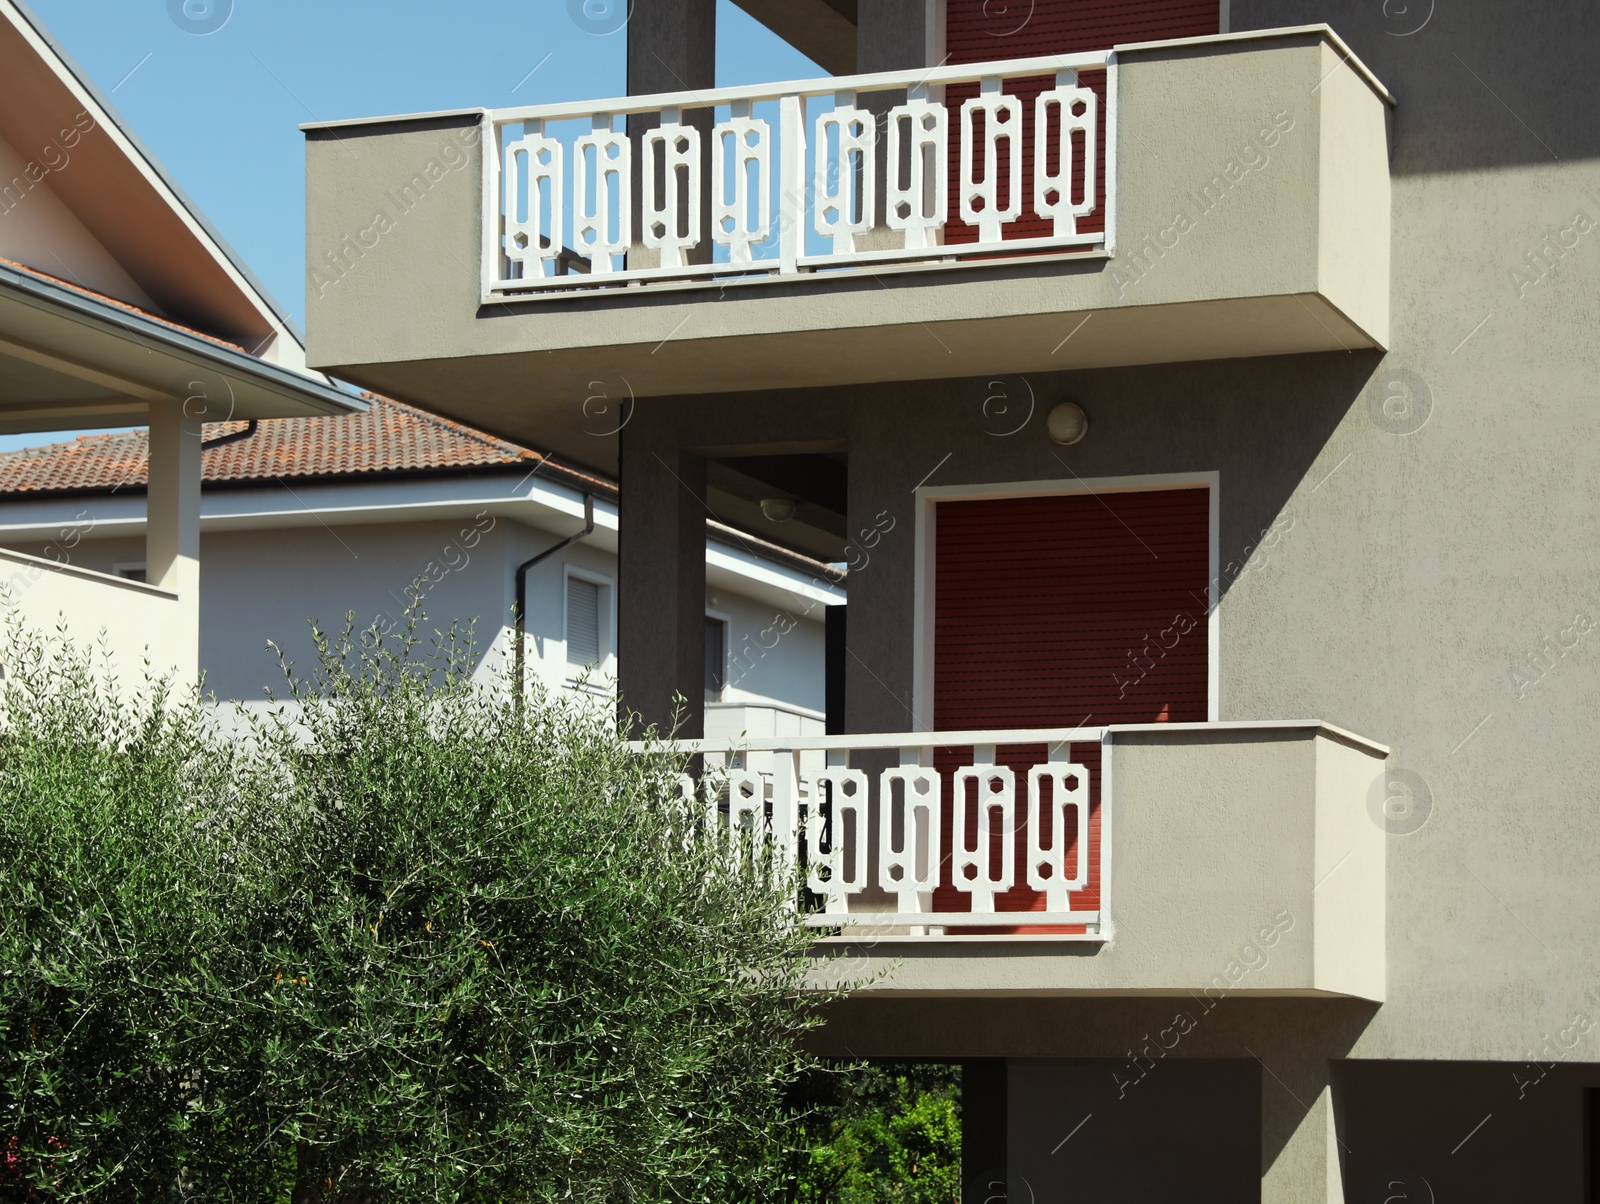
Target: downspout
250,428
522,588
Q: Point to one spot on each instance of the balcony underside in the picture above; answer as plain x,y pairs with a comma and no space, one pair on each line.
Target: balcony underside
537,397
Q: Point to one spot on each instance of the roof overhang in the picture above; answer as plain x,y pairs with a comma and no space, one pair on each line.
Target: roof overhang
123,196
72,360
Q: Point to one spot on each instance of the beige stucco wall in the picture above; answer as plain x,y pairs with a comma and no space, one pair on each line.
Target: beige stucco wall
1221,844
139,623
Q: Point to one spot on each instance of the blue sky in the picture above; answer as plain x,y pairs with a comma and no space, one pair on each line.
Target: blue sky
221,110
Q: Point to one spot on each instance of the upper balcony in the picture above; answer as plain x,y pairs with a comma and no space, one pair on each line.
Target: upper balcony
1204,199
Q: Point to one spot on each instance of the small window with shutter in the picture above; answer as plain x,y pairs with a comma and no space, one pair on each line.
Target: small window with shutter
583,622
716,658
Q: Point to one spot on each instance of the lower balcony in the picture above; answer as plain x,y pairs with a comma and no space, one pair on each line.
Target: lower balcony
1204,859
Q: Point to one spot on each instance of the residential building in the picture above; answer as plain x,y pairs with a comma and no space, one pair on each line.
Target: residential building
119,304
1200,395
365,515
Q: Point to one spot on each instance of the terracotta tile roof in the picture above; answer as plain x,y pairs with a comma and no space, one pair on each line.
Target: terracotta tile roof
391,438
123,305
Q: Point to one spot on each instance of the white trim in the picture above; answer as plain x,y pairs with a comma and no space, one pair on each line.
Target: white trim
927,497
72,570
784,708
530,499
1108,925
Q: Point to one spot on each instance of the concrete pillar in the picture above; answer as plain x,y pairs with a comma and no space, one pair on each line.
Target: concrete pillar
172,529
672,47
1300,1143
661,578
893,35
983,1130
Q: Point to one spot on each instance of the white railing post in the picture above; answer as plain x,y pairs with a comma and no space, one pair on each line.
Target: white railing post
842,870
613,194
738,145
845,193
792,201
1052,191
919,204
533,164
980,199
909,869
1069,787
674,146
974,871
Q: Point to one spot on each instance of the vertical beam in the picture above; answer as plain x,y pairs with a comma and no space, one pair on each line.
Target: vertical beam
1300,1143
891,35
983,1130
661,578
672,47
172,529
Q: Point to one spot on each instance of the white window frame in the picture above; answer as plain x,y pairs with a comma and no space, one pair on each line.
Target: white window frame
607,664
119,567
928,497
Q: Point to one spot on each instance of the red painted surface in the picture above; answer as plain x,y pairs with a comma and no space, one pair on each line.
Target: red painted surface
1076,610
980,31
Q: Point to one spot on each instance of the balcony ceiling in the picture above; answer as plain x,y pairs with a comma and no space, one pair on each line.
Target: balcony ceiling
822,30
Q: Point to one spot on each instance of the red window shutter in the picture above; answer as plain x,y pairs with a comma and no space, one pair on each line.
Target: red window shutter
1075,610
981,31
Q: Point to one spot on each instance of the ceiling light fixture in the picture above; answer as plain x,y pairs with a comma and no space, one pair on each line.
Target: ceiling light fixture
1067,423
777,509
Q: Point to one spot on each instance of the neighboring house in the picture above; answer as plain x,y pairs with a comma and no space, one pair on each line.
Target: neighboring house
120,305
1238,827
316,518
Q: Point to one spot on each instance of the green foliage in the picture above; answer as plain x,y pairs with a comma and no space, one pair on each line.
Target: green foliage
880,1133
399,939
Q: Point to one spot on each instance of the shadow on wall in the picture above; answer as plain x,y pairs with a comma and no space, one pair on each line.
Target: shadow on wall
1479,83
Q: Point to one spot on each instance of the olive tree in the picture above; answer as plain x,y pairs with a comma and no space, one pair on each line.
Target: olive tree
400,936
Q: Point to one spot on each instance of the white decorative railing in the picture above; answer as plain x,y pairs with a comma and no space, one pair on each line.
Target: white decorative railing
895,847
798,179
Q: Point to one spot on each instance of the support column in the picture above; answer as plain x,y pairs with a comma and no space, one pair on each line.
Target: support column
1300,1143
661,580
983,1130
893,35
672,47
172,528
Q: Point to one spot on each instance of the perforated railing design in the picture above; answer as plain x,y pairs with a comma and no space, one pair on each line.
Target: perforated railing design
1000,832
784,179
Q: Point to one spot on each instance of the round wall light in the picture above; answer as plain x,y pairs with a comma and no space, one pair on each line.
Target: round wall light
1067,423
777,509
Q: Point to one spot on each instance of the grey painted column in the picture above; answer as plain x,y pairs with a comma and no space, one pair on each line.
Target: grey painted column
661,578
672,47
894,35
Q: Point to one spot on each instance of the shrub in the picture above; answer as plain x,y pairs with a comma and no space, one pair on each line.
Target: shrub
398,938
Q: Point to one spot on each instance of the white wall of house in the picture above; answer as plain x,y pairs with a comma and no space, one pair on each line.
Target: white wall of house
268,584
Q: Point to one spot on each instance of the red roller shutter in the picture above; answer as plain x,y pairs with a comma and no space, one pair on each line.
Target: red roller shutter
1076,610
982,31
